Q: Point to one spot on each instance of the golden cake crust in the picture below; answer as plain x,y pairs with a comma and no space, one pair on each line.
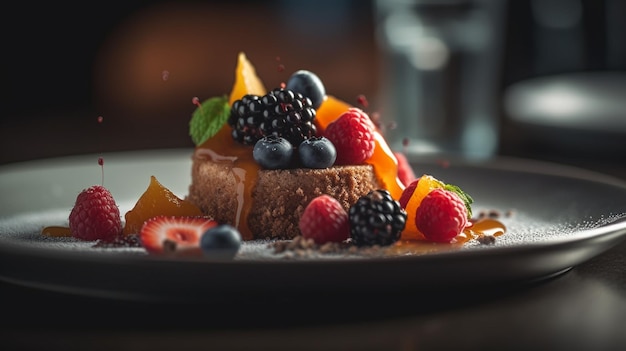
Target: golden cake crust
278,196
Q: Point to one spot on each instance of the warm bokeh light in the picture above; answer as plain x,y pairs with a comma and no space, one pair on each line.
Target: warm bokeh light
155,61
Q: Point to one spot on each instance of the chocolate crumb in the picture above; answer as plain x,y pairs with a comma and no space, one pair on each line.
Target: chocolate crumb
130,240
486,239
280,246
488,213
169,246
300,247
493,214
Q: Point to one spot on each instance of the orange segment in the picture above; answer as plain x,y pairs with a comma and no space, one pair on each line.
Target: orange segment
246,80
425,185
157,200
386,167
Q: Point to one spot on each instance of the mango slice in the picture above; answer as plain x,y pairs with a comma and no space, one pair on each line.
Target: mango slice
157,200
425,184
246,80
330,109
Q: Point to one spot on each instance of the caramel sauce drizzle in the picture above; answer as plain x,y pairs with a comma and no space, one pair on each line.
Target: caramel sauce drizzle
56,231
475,229
222,148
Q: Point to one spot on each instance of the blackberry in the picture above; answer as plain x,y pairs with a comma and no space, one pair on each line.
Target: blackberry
281,112
246,115
376,219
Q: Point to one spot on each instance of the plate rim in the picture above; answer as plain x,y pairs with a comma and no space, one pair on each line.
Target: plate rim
608,235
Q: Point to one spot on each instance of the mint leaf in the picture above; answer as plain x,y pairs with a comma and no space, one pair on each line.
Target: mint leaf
467,199
208,119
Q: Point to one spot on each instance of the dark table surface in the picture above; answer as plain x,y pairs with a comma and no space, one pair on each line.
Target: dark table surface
581,309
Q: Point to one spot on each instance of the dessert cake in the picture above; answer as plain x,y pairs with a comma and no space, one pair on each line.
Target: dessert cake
232,186
294,165
279,196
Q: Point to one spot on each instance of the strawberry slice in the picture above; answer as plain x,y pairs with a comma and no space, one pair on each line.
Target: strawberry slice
174,234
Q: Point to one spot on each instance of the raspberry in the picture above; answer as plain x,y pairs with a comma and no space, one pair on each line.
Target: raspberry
376,219
353,136
324,220
95,215
405,171
408,192
441,216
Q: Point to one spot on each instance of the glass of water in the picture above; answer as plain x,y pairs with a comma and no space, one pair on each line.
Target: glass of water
440,74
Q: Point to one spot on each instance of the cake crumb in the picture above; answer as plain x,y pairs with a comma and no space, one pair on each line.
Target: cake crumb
300,247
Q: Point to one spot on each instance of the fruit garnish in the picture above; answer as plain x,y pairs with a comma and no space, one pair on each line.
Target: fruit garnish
317,152
246,80
179,235
383,158
386,166
330,109
273,152
412,197
208,119
309,85
281,112
221,242
412,200
95,215
441,216
324,220
353,136
157,200
467,199
376,219
405,171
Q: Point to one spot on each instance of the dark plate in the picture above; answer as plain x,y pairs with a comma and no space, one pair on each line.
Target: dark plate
559,217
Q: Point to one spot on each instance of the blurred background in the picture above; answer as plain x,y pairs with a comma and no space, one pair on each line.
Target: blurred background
138,64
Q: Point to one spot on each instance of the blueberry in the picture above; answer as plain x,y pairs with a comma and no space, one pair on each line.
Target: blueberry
308,84
317,152
221,242
272,152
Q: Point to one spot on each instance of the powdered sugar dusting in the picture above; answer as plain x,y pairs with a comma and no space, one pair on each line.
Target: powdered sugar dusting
25,231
